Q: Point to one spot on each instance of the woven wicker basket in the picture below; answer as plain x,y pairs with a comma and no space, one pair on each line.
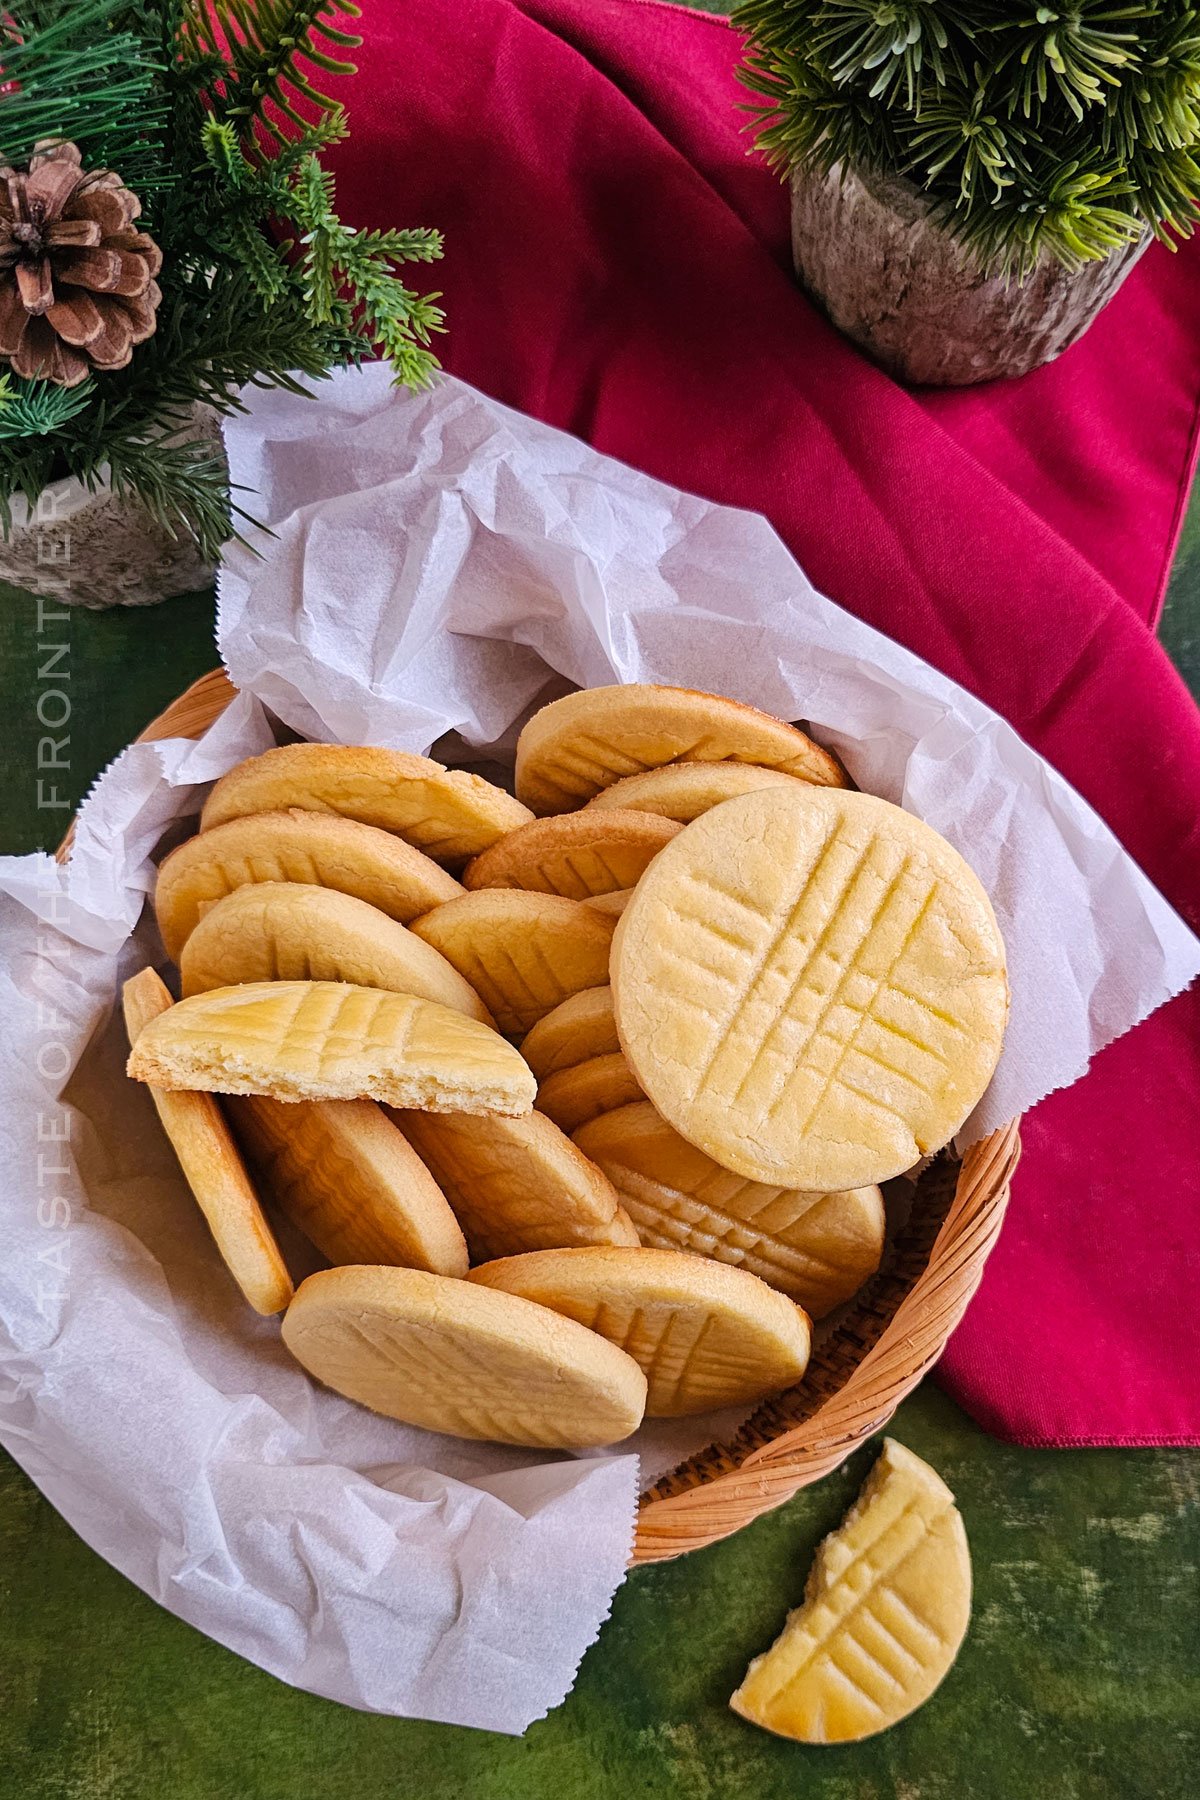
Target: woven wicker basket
895,1332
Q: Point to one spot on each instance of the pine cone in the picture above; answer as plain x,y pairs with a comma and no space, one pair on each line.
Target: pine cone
77,287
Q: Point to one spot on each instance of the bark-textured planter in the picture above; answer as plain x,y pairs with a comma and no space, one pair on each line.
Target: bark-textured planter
90,548
870,253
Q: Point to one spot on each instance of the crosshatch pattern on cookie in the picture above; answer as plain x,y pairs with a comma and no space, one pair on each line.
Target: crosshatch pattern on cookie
848,974
704,1334
884,1613
325,1040
295,846
517,1184
450,1356
818,1248
580,855
579,745
522,953
450,814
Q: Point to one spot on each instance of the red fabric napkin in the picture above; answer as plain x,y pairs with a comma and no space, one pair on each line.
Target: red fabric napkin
617,265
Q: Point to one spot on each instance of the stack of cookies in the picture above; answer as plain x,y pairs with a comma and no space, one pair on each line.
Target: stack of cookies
586,1095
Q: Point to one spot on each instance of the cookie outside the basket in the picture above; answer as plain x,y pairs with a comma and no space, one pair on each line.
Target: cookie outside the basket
884,1613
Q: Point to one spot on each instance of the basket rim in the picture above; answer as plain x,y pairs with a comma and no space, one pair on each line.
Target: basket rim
707,1507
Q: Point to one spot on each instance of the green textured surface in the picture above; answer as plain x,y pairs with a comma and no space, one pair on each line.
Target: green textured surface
1078,1679
1180,626
118,670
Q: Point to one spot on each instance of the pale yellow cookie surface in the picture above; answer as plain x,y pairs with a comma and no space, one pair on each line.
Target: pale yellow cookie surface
448,813
452,1357
212,1167
682,791
573,1096
884,1613
297,846
325,1040
583,743
351,1181
580,854
517,1184
809,985
522,953
706,1335
579,1027
291,931
818,1249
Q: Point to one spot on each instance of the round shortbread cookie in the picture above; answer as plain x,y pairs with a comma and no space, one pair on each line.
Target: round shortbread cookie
573,1096
325,1040
448,813
706,1335
578,854
522,953
578,1028
317,849
578,745
809,984
291,931
450,1357
351,1181
818,1249
682,791
212,1167
885,1610
517,1184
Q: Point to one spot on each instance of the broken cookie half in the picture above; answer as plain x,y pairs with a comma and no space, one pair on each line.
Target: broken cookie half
883,1616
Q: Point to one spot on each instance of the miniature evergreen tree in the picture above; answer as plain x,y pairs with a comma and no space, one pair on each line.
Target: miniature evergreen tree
1061,129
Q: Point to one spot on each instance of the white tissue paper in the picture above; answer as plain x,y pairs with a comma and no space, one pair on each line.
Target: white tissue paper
437,560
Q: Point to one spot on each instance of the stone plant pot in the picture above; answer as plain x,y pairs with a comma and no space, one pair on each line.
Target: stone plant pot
869,252
90,548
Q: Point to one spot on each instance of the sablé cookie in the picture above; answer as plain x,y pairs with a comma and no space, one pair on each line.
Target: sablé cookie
517,1184
291,931
310,847
706,1335
345,1174
452,1357
325,1040
450,814
818,1249
578,1028
522,953
573,1096
884,1613
809,985
586,741
212,1167
682,791
580,854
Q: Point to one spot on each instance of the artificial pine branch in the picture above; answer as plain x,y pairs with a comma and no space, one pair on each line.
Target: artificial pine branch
80,69
38,408
1037,129
363,263
211,110
269,46
184,486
